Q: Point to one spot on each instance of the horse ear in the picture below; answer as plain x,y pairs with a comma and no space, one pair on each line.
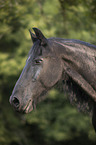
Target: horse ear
40,36
33,36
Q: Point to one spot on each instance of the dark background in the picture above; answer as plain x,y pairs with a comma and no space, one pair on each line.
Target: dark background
54,121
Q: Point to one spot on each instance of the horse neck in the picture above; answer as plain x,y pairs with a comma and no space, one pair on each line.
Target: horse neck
80,57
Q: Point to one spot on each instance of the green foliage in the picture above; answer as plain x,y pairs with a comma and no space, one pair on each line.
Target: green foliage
55,121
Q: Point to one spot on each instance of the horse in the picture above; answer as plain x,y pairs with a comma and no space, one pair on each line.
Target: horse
53,61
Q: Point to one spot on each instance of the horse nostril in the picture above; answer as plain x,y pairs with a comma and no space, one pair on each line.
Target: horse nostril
15,102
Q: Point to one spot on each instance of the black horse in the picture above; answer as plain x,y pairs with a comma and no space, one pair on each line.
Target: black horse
54,61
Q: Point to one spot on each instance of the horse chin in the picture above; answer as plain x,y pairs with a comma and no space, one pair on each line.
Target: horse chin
29,107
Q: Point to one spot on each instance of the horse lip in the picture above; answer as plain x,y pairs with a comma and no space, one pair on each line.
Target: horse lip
29,107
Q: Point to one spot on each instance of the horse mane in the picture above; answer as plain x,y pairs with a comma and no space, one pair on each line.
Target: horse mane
73,42
77,96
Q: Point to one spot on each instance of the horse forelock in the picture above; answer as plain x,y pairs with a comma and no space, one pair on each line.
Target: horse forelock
35,50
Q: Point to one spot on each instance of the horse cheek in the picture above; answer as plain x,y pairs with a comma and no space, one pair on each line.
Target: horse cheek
52,74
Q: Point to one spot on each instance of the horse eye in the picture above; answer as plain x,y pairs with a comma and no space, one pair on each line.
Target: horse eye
38,61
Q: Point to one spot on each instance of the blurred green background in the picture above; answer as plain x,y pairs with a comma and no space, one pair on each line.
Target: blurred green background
54,121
